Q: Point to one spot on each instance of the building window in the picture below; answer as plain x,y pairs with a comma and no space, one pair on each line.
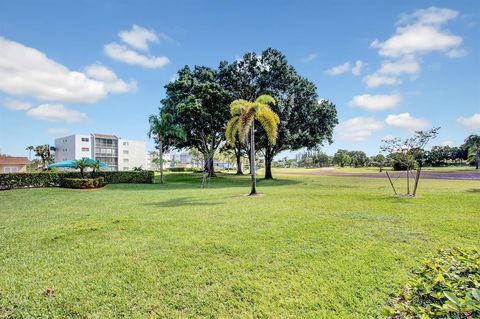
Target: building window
125,151
125,143
85,149
125,160
85,139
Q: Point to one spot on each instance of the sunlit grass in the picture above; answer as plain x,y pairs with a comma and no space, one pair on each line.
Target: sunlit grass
313,246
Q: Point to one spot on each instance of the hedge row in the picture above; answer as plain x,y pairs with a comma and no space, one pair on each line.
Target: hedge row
49,179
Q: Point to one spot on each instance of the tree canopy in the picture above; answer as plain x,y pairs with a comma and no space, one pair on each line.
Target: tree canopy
198,104
305,122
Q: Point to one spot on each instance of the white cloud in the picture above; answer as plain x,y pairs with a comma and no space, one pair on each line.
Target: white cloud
430,16
357,129
456,53
448,143
56,113
339,69
419,33
358,67
407,64
16,105
375,80
472,122
26,71
57,131
123,54
112,82
138,37
310,57
376,102
406,121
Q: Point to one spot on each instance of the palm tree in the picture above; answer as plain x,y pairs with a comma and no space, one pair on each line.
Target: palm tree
472,144
81,165
244,113
29,149
95,165
163,130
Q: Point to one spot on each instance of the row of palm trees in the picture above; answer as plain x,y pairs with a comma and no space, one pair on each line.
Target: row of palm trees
242,124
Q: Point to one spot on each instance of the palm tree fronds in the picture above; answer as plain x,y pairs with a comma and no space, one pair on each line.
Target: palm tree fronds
232,130
269,121
237,106
265,99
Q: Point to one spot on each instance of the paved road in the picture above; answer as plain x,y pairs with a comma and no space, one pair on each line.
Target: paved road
451,175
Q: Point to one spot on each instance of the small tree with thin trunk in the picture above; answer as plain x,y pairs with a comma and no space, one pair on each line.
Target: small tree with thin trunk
244,113
163,131
409,153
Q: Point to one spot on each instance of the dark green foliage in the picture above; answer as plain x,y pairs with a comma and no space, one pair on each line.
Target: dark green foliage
49,179
82,183
198,105
305,120
446,286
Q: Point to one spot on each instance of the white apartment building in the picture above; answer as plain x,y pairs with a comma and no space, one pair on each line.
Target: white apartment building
119,154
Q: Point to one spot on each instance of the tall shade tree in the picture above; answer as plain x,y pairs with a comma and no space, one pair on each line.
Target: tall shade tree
199,103
472,144
164,133
305,120
30,149
244,113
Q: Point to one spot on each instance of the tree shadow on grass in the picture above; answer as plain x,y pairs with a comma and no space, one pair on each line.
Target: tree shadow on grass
181,181
474,190
183,201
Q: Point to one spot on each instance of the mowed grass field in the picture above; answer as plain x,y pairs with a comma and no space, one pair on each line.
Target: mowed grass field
312,247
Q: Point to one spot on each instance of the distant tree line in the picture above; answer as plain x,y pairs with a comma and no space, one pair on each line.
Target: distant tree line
466,154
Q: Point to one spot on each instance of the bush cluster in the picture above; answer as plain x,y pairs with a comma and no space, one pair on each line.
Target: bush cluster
446,286
83,183
50,179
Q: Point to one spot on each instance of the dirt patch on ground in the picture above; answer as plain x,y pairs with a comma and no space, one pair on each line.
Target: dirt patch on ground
452,175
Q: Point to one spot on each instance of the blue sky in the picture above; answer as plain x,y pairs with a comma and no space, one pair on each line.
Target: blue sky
100,66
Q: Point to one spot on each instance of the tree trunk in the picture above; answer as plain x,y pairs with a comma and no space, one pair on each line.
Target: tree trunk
239,162
477,159
408,181
209,169
160,153
268,164
253,190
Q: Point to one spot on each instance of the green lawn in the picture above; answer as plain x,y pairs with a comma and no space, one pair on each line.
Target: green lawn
313,247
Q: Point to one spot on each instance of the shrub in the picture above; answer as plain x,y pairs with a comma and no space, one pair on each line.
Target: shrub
50,179
78,183
446,286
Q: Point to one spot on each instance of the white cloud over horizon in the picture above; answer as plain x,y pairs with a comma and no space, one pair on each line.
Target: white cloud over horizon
112,82
357,129
376,102
57,113
138,37
406,121
355,68
472,122
121,53
418,33
25,71
17,105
